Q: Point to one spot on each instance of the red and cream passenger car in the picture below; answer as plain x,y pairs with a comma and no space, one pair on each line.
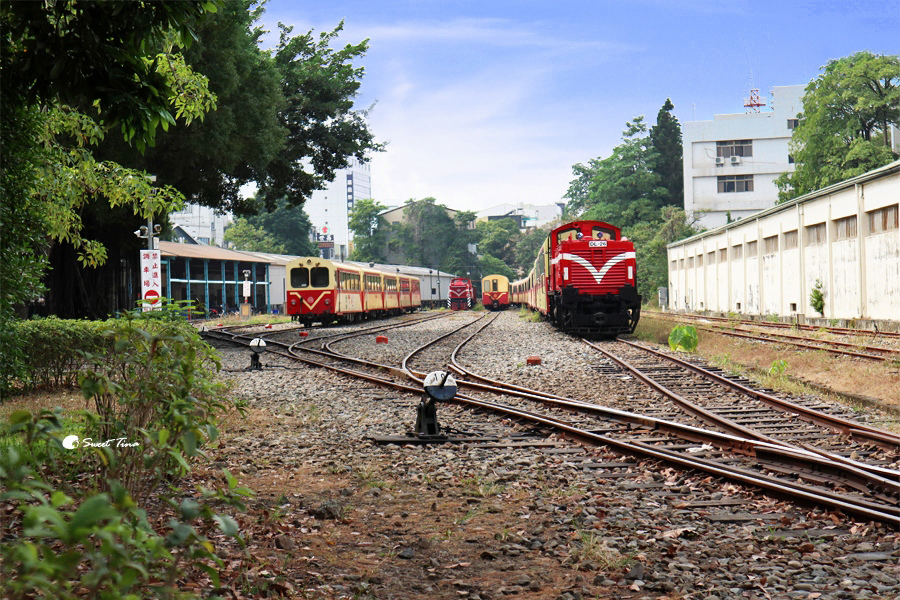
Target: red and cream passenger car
324,291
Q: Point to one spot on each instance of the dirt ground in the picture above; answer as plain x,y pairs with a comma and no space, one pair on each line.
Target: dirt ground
315,534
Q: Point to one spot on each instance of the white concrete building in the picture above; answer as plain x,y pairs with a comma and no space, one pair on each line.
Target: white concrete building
731,162
843,239
527,215
329,209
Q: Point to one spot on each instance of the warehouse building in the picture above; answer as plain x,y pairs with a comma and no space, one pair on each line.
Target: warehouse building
842,240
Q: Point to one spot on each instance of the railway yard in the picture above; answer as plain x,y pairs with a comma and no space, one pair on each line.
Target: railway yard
604,471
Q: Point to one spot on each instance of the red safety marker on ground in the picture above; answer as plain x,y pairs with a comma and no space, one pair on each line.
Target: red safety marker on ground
304,334
381,339
533,360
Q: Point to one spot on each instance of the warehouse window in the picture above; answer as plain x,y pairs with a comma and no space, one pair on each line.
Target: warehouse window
723,255
770,244
699,260
734,148
790,239
884,219
674,265
681,264
711,258
751,249
737,252
690,262
815,235
734,183
792,123
845,229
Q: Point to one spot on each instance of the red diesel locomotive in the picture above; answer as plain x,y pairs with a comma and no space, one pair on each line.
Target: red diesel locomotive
461,295
584,280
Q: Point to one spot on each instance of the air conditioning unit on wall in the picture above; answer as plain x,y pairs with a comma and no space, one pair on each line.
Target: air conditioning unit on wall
735,160
720,160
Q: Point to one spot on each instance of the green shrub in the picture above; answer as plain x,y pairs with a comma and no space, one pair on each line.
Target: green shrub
76,510
683,338
153,388
44,352
817,298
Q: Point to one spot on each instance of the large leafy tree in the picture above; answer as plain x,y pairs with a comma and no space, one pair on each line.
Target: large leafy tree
637,188
845,125
73,73
497,238
429,236
624,188
250,238
289,227
103,58
370,231
324,132
211,160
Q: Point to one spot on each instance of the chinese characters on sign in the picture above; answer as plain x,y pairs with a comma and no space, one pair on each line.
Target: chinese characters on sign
151,279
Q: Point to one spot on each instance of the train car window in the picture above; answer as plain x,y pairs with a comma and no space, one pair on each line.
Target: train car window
603,233
566,234
319,277
299,277
494,285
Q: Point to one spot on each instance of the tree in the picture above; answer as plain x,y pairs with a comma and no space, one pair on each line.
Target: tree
369,231
624,188
650,240
289,227
211,160
249,238
73,71
665,138
844,128
489,265
103,58
526,248
324,132
497,238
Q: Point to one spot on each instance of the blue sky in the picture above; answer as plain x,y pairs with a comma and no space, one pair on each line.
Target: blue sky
493,101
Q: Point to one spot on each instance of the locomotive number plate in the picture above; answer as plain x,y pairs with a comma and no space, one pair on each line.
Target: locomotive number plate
597,244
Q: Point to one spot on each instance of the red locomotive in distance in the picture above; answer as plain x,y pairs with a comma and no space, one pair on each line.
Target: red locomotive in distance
584,280
461,295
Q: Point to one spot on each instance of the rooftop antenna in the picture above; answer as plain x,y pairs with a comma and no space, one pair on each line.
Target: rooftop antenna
755,101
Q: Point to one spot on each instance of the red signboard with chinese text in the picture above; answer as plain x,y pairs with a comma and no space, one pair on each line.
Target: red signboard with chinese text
151,279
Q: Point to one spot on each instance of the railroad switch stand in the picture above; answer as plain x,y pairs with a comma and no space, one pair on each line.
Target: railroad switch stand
439,387
257,347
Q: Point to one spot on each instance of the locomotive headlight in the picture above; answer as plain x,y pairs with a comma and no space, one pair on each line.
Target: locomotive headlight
630,273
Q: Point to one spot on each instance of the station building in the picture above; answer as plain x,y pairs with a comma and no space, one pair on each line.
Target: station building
843,240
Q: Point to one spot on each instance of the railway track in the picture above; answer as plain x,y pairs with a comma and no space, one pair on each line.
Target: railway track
870,333
743,454
740,329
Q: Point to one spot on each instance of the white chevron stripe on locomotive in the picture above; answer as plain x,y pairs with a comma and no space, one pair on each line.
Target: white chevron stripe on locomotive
597,275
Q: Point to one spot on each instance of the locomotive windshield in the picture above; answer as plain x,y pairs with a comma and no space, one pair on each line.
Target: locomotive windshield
317,277
603,233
